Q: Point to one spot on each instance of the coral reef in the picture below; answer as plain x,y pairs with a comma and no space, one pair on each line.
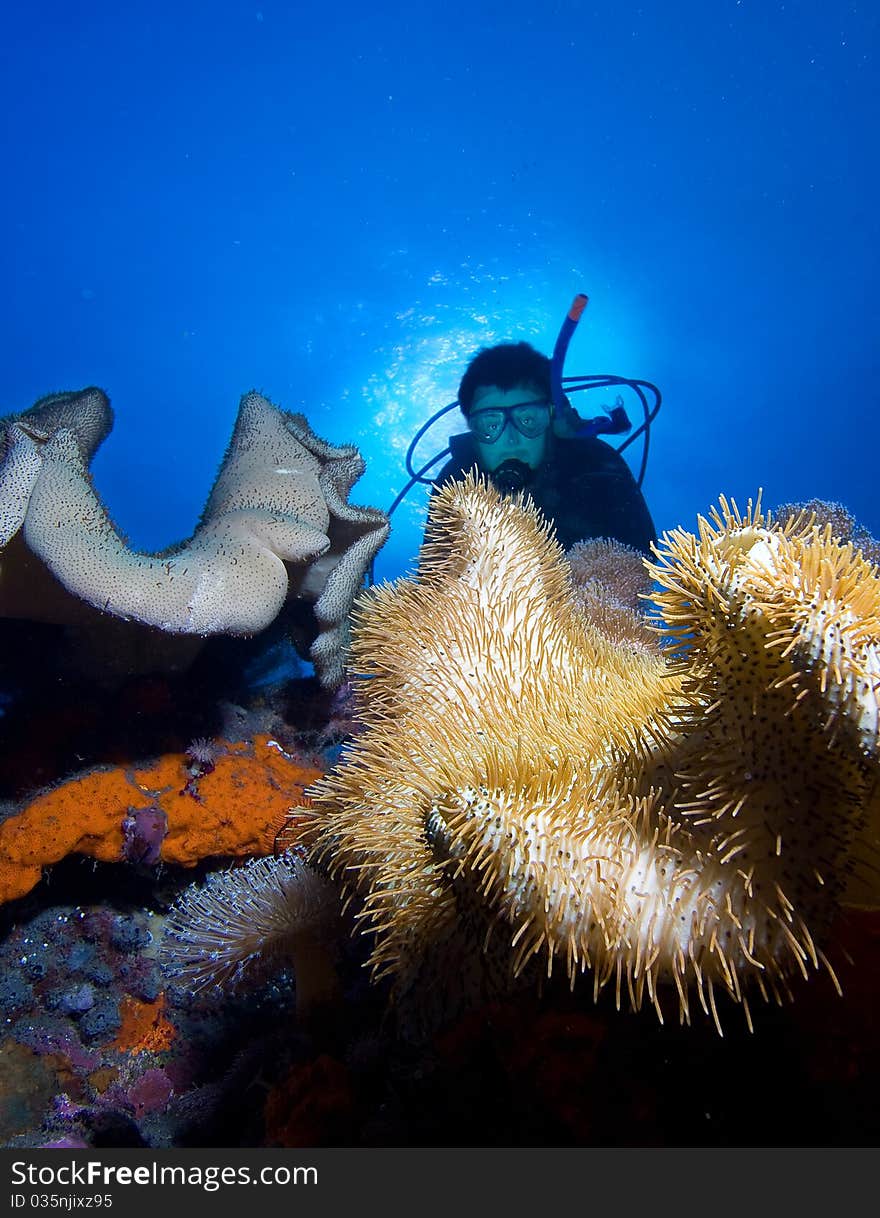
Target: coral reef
103,1051
176,810
99,1049
679,820
96,1053
277,529
112,1036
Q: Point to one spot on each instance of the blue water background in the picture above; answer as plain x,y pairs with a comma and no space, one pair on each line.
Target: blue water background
339,204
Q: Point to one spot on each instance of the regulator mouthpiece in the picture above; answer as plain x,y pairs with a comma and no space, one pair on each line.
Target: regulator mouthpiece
511,476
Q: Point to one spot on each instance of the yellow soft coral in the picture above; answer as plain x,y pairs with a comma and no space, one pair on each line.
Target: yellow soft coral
527,788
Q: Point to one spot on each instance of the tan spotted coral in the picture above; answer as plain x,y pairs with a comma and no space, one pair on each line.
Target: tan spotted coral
277,527
777,758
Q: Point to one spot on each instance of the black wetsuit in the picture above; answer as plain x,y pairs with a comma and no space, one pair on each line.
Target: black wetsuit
584,487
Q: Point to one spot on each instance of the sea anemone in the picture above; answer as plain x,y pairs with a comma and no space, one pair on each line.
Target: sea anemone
247,921
202,753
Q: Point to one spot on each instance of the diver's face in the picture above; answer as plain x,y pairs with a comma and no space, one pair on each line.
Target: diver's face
511,443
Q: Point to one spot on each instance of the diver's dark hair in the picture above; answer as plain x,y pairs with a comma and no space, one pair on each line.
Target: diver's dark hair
505,365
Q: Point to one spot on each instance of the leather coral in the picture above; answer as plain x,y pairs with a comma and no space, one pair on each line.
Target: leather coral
527,791
277,527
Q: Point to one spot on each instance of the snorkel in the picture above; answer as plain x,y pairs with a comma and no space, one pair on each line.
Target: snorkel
563,338
615,420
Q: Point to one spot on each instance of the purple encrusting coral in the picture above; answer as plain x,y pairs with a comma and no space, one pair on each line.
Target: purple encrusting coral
71,980
143,831
73,1001
148,1094
67,974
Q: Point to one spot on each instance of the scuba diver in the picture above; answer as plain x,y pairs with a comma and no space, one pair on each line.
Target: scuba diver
525,435
523,440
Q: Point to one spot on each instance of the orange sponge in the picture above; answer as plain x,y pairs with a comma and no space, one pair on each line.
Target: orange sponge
234,810
145,1027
